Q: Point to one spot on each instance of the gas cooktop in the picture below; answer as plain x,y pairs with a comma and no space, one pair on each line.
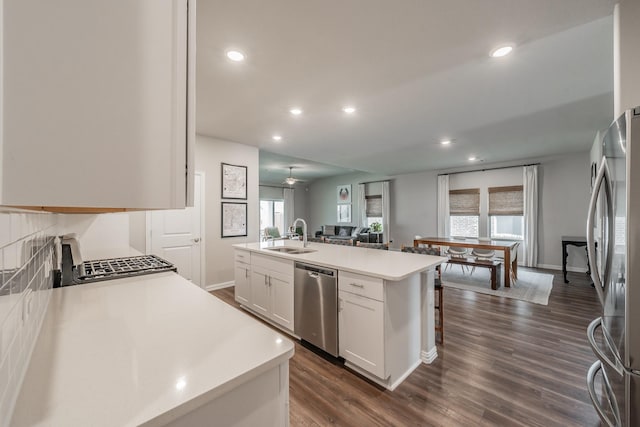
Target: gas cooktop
116,268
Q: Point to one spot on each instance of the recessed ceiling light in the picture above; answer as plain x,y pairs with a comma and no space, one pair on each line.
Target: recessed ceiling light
349,109
472,158
501,51
295,111
445,142
235,55
277,138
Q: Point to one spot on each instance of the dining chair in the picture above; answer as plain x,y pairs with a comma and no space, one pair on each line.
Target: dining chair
482,255
383,246
456,252
437,284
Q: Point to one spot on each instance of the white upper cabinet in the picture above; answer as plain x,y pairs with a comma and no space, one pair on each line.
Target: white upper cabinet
98,103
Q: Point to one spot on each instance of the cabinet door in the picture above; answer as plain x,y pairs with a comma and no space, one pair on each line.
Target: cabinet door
281,288
361,332
243,283
97,111
260,290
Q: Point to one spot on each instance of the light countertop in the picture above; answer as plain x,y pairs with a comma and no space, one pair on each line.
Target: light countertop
145,349
388,265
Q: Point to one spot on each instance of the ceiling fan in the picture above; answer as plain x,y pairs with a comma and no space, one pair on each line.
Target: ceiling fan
290,180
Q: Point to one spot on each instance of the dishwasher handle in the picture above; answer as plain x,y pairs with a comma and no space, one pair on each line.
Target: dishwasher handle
316,271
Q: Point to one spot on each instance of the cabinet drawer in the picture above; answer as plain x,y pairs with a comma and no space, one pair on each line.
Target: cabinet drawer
243,256
272,263
367,286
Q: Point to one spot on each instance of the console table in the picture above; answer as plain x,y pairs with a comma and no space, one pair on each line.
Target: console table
573,241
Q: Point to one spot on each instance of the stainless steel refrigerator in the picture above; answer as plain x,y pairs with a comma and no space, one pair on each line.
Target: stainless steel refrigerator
613,381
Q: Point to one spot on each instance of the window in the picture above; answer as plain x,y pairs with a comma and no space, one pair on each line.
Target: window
464,211
373,207
272,215
507,227
506,207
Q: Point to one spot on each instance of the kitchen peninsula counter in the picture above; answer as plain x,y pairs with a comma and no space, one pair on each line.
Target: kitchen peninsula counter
384,301
151,350
387,265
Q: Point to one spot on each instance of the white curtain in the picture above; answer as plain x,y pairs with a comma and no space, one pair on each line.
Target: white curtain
386,203
289,214
443,206
362,206
530,189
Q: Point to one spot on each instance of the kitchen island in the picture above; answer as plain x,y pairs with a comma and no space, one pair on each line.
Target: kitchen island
385,307
152,350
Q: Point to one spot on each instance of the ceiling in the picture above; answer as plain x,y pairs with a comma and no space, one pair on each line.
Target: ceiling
274,168
416,71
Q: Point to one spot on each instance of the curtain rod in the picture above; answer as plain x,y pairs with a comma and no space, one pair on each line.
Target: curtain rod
373,182
490,169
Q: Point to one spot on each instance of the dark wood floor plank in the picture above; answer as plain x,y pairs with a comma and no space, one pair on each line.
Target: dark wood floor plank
504,363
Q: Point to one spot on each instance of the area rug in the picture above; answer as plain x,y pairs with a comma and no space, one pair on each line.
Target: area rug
531,286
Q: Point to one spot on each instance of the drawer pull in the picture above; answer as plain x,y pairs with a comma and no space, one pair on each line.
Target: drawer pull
357,285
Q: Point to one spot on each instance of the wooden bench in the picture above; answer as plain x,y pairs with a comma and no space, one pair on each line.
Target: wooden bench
493,265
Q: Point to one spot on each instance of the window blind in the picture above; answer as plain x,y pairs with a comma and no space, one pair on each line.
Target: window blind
374,206
506,200
464,202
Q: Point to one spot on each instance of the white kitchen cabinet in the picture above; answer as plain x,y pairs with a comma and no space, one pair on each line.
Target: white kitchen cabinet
272,289
242,269
98,106
281,288
361,322
260,294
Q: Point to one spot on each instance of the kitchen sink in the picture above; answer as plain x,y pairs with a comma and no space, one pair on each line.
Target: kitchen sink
290,250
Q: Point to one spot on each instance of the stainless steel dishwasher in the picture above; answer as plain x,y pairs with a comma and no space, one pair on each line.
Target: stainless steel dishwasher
316,306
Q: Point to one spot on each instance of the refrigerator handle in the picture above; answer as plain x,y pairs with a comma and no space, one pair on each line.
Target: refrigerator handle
602,177
596,348
591,388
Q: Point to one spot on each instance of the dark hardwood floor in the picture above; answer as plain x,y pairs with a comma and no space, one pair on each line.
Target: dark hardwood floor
503,363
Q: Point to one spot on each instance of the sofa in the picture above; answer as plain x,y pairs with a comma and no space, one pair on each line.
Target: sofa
344,232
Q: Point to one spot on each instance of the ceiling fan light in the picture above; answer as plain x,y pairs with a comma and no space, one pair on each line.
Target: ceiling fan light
290,181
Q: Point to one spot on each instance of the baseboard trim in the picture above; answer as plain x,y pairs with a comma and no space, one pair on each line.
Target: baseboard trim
429,356
216,286
405,375
559,267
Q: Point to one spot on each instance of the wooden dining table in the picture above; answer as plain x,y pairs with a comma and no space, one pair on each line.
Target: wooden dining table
508,247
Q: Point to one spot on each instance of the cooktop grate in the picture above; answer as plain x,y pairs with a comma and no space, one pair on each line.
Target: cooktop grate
115,268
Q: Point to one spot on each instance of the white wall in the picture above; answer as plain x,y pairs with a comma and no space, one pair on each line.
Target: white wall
210,153
564,198
413,207
323,200
98,234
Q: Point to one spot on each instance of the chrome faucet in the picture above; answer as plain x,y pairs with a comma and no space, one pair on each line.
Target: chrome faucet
304,231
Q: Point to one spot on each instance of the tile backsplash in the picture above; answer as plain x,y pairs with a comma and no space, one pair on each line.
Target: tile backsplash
26,280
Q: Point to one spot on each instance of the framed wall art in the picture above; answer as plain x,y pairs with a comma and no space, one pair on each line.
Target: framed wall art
344,213
234,219
234,182
344,193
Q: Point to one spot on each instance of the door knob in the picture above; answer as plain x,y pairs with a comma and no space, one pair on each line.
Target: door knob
196,240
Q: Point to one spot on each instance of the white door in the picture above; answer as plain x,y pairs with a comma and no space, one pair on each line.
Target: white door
176,236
